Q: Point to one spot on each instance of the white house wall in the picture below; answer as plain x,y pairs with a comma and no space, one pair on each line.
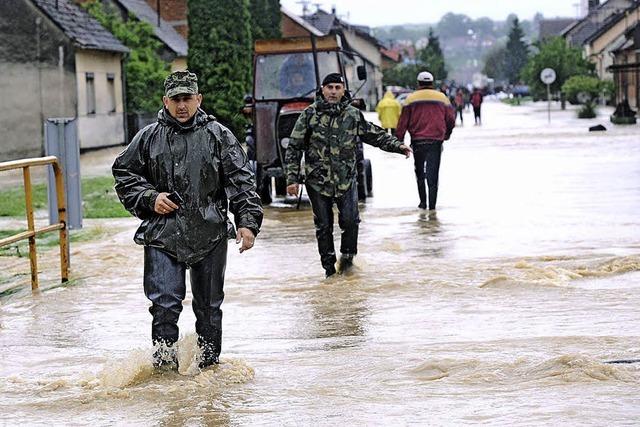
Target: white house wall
372,91
104,128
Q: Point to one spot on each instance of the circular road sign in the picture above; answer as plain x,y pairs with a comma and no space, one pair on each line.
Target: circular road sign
548,76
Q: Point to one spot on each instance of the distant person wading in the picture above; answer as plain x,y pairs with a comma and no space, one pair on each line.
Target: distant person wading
327,134
429,118
388,110
476,102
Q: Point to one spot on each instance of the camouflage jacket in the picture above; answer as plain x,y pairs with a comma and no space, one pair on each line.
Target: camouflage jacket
328,136
205,164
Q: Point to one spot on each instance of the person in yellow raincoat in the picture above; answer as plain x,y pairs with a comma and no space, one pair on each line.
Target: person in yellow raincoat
388,110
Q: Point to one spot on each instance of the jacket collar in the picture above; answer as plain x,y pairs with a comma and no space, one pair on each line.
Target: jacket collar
167,119
332,109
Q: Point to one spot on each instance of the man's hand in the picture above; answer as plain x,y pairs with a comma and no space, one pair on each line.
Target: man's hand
292,189
406,150
247,238
163,205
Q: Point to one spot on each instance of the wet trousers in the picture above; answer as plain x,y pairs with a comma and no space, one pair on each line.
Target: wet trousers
164,285
426,157
476,115
348,220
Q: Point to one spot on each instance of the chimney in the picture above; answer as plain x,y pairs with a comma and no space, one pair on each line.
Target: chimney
593,4
333,10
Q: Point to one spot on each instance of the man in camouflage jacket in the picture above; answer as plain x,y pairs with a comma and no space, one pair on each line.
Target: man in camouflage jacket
179,175
327,133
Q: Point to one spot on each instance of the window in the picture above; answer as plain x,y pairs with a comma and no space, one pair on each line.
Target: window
111,89
91,94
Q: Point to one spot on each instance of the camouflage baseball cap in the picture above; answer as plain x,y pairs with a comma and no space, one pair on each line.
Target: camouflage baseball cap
180,82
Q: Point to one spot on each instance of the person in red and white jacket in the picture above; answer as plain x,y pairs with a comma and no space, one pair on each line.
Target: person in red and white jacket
429,118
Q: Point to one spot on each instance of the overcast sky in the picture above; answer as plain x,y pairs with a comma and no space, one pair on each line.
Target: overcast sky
395,12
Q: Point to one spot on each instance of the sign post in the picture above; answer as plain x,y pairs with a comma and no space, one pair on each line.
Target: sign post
548,76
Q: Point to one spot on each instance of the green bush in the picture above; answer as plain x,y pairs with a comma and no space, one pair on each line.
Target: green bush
220,51
587,85
587,90
587,111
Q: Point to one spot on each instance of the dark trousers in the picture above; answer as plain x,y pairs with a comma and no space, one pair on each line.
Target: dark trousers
348,220
426,157
476,114
459,112
164,285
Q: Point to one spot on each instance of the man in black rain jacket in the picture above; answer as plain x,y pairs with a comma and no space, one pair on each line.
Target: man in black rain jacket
180,175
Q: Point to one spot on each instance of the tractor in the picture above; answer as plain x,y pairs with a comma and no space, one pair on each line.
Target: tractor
287,74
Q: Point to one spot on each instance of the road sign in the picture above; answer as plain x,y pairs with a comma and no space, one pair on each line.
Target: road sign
548,76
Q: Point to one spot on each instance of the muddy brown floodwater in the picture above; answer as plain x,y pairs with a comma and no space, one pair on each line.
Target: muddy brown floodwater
499,309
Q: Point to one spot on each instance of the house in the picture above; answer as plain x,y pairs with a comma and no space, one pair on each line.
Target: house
610,36
390,58
173,34
597,16
626,67
548,28
357,39
353,38
291,25
57,61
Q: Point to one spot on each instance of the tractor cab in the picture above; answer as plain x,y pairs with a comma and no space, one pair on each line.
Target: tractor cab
287,74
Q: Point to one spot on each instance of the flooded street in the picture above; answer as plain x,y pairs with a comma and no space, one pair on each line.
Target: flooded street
499,309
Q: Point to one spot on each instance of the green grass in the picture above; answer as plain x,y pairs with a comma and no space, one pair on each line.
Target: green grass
99,199
517,101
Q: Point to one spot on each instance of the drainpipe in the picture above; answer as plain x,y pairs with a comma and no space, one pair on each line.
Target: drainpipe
158,11
40,90
123,73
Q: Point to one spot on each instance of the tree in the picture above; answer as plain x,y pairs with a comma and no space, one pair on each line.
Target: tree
565,60
265,19
145,70
516,53
494,63
432,58
220,54
401,75
453,25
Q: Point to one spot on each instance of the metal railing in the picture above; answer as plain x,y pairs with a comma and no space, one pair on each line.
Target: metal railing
32,232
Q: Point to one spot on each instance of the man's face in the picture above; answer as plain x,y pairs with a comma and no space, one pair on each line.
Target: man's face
333,92
297,79
182,107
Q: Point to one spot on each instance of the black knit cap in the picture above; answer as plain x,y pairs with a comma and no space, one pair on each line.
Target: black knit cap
332,78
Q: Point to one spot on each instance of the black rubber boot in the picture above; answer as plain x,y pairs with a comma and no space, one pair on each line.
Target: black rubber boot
346,262
165,357
210,348
422,192
329,271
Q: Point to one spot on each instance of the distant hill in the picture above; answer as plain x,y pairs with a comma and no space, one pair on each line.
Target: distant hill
465,41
